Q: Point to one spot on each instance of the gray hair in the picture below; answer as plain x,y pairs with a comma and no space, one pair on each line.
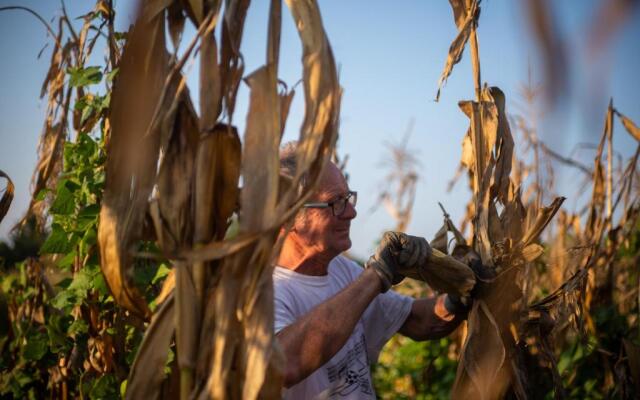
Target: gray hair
289,163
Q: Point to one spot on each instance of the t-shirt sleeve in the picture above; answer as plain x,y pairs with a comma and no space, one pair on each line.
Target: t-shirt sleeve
384,317
283,314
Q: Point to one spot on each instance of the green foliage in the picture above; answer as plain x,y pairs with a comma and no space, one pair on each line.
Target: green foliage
62,333
415,370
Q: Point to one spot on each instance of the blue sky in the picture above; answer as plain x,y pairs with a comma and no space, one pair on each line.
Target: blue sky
390,56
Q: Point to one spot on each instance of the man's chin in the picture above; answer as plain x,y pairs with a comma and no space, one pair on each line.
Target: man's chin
345,245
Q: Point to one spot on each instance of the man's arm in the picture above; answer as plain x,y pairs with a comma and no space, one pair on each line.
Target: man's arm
429,319
312,340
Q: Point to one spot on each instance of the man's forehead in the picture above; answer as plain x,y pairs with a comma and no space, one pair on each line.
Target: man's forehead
332,182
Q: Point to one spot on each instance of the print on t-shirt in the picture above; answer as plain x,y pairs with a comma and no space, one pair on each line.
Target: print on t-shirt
351,372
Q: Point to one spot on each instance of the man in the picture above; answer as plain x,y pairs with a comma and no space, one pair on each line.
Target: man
332,318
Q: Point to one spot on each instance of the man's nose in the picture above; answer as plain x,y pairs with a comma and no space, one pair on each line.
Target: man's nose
349,212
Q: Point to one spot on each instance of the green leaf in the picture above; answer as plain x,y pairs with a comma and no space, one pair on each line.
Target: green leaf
56,328
84,76
104,387
123,388
64,203
77,327
57,242
100,285
161,272
42,194
67,260
111,74
36,347
63,300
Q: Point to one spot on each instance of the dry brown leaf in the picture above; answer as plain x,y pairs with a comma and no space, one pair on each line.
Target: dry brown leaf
176,173
440,241
147,372
512,219
482,356
459,11
231,65
187,319
175,21
210,82
218,173
7,196
457,46
504,149
261,153
545,214
531,252
629,125
131,158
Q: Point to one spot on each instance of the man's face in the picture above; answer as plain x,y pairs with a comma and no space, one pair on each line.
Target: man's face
318,228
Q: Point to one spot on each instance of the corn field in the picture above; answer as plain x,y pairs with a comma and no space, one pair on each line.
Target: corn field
162,223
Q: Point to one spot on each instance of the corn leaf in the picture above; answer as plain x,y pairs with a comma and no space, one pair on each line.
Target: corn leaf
7,196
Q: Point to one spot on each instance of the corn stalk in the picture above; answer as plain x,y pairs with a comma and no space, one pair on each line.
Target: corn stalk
220,313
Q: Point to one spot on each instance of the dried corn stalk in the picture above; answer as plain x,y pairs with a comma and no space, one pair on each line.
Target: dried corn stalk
489,358
221,309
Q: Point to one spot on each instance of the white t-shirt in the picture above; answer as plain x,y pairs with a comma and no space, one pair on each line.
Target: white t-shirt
346,375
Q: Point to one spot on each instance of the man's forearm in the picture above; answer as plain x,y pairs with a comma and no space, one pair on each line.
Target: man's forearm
312,340
429,319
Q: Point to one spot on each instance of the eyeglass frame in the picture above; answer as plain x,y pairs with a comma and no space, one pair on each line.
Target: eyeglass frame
350,194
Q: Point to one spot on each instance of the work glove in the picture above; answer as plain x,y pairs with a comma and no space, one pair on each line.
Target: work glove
483,274
398,255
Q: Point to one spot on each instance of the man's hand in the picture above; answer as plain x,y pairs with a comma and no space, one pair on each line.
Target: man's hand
398,255
484,276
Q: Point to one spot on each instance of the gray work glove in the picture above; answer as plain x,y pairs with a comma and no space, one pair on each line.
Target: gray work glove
398,255
484,275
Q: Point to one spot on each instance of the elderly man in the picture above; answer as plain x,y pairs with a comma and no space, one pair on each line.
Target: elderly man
332,317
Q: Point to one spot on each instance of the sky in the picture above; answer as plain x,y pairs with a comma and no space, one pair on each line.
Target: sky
390,56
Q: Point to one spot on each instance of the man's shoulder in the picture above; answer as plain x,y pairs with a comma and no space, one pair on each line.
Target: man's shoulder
344,266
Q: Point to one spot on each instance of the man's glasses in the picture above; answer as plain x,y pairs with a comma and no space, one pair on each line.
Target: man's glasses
337,206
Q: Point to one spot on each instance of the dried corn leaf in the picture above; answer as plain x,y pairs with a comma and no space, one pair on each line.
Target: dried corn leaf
231,66
440,241
131,158
321,89
459,11
513,217
629,125
175,21
531,252
261,165
217,175
286,98
457,46
195,10
210,82
467,152
545,214
187,316
176,173
260,172
504,148
147,372
482,356
7,196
